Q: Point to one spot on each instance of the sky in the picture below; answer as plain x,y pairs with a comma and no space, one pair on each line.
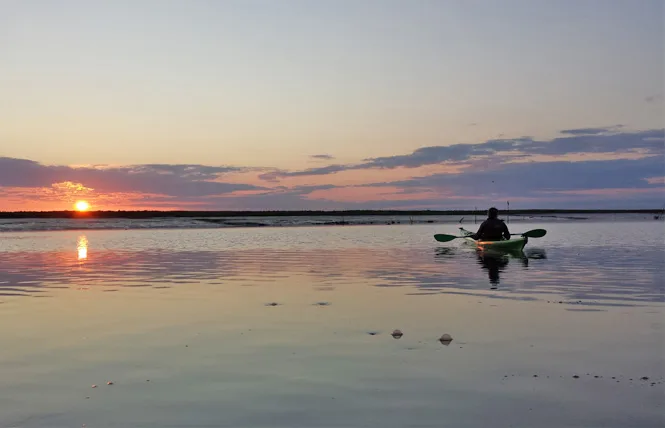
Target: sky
346,104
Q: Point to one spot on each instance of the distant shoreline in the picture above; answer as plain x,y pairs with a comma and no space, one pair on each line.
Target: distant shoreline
340,213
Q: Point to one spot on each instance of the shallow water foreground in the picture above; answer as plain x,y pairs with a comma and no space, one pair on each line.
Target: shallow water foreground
291,327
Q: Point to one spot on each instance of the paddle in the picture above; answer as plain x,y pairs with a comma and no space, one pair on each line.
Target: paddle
535,233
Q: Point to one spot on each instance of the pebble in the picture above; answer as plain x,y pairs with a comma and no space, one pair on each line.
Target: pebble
446,338
109,383
643,378
397,333
94,386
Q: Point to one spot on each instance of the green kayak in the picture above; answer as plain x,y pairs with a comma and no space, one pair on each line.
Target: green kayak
514,244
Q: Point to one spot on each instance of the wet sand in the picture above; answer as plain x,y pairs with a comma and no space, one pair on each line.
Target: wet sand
293,329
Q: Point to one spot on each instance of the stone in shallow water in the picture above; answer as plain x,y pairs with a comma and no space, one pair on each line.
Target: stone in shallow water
397,333
446,339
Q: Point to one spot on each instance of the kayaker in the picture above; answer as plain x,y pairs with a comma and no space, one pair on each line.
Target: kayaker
492,229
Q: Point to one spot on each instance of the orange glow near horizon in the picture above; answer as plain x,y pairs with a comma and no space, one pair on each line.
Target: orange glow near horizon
82,206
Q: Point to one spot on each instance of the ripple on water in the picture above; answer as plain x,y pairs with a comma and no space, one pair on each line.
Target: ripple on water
597,275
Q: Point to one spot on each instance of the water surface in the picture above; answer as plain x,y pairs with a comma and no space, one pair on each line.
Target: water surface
290,327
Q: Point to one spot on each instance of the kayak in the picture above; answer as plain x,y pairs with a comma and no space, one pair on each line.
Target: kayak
513,244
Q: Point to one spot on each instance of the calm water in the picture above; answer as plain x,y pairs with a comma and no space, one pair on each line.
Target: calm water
291,327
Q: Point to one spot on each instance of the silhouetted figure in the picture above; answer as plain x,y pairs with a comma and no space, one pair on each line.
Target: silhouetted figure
492,229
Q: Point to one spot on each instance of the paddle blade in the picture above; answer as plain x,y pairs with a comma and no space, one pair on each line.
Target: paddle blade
444,238
535,233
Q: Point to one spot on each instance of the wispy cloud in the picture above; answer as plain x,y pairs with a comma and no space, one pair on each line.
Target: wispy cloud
582,140
656,98
592,131
322,157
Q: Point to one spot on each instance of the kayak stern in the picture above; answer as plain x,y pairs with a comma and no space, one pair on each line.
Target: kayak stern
513,244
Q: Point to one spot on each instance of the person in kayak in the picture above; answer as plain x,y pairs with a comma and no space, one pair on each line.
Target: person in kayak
492,229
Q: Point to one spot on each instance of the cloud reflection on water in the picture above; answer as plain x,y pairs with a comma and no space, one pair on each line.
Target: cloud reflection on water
584,275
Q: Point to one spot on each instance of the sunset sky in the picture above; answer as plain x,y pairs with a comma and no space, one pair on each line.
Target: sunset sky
304,104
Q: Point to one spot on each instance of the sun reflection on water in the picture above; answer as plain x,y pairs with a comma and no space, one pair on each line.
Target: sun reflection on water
82,247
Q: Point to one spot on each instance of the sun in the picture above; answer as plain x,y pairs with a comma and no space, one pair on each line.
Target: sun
81,206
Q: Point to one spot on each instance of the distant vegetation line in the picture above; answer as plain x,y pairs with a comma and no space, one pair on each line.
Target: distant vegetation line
186,214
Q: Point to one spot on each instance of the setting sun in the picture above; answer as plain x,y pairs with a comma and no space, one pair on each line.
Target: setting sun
82,206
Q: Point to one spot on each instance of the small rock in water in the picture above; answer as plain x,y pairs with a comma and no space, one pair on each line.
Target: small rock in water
644,378
446,339
272,304
94,386
322,303
397,333
576,377
109,383
372,333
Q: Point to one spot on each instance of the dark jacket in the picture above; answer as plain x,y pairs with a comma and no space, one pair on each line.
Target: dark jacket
492,229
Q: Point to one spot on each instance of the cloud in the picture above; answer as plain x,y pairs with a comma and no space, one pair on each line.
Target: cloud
322,157
171,180
654,98
591,131
604,166
650,141
325,170
194,172
575,141
536,180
